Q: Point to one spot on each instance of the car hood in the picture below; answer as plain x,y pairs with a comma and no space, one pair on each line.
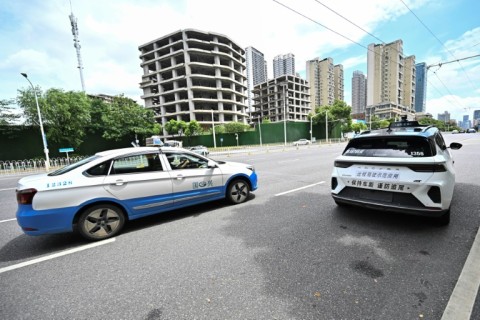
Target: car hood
233,164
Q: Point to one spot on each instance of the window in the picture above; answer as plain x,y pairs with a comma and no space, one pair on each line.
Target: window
99,170
185,161
391,147
72,166
440,142
137,164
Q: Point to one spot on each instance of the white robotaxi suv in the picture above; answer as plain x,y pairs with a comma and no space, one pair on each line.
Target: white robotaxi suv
404,168
97,195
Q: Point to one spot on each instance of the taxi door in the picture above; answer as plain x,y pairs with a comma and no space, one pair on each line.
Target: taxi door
192,181
140,183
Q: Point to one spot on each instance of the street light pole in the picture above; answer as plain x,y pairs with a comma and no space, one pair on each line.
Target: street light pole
326,126
284,117
311,126
260,131
44,137
213,128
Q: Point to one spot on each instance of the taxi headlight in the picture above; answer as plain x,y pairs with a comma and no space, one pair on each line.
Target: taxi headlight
252,168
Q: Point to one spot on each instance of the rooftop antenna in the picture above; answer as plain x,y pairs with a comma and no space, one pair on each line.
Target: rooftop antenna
76,44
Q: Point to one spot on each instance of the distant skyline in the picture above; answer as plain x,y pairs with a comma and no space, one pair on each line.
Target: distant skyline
36,39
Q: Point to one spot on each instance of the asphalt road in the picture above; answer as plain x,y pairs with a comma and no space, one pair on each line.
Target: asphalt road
287,253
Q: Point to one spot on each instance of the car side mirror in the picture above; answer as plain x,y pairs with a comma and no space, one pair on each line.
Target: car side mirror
212,164
455,145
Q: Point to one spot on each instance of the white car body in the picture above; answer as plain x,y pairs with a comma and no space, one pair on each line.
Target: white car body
407,169
135,181
301,142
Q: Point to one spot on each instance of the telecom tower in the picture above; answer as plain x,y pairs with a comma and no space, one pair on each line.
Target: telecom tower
76,44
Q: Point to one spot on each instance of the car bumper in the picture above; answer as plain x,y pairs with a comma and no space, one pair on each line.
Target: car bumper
254,181
390,207
39,222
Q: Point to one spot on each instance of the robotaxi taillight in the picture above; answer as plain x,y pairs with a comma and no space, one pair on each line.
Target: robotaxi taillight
26,196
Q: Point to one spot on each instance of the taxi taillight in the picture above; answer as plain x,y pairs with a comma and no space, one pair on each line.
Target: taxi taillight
26,196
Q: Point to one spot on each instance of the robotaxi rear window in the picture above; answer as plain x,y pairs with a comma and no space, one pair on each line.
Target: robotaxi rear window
390,147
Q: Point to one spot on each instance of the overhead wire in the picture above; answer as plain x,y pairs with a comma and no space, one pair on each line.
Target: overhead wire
443,45
316,22
336,32
359,27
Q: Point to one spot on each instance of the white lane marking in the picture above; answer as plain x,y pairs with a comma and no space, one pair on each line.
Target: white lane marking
8,189
288,161
14,219
293,190
462,300
56,255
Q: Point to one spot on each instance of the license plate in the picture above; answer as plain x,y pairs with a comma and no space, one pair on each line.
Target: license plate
376,196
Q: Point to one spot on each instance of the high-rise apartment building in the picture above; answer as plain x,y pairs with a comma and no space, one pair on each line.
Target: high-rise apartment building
445,117
390,81
466,123
359,92
421,87
476,115
326,81
284,64
285,97
338,88
256,72
194,75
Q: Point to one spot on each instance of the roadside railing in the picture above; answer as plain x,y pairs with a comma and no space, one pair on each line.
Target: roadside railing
28,166
245,150
32,166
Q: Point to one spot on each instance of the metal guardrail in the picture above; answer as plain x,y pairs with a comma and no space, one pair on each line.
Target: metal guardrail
28,166
266,148
33,166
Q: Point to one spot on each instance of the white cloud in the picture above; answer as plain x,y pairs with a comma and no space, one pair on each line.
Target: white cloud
450,86
354,62
111,31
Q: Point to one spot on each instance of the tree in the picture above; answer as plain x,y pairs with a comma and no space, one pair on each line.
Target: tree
8,114
337,113
174,127
193,129
64,114
98,108
359,127
377,123
124,117
234,127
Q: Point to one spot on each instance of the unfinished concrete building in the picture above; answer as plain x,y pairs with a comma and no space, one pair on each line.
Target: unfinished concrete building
286,97
194,75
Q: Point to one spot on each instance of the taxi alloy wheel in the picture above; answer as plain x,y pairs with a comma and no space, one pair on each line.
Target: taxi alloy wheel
238,191
101,222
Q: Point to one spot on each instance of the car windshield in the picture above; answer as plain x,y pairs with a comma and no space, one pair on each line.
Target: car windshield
391,147
72,166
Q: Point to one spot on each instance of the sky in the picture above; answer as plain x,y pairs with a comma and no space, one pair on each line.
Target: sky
36,38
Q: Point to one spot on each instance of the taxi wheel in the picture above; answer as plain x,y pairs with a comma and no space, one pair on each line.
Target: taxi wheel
238,191
101,222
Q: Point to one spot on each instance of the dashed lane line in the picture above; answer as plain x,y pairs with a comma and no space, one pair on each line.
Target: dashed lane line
56,255
298,189
14,219
7,189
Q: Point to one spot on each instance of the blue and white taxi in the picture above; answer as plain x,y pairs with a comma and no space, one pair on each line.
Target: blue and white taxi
97,195
404,168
